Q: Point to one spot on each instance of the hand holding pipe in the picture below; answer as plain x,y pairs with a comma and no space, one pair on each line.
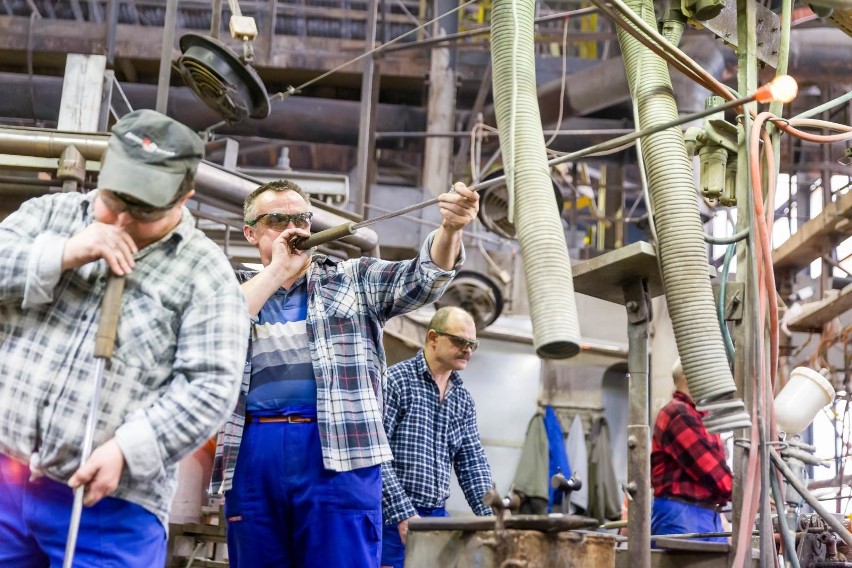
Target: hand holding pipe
104,345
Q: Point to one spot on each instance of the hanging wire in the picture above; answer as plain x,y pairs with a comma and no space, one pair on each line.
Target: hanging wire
292,90
562,86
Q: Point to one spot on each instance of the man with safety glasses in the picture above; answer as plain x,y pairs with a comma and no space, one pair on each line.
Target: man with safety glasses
430,421
300,460
174,372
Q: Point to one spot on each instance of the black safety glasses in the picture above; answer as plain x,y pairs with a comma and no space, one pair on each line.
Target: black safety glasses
280,221
458,341
140,211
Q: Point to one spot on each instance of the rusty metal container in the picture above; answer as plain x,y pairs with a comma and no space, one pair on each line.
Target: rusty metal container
509,547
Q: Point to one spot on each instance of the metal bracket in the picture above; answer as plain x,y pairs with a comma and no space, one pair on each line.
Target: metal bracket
637,300
768,23
734,294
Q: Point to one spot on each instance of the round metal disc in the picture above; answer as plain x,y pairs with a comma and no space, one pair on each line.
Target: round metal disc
224,83
475,293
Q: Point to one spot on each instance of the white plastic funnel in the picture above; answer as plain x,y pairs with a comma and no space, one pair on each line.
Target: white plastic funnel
801,398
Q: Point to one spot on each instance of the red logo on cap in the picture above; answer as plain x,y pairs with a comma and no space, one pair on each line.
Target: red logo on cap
148,146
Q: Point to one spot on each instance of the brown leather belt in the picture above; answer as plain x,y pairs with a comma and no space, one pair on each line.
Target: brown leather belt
290,419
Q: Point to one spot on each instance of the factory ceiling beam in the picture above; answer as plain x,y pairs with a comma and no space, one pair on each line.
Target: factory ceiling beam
52,39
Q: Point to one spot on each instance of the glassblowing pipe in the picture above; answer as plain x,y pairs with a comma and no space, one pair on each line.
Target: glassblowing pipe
782,89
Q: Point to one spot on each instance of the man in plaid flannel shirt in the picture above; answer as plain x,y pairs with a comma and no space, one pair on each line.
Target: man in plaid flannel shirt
690,477
300,459
430,419
174,372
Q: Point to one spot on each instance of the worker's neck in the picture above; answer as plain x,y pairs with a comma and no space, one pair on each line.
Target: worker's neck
440,374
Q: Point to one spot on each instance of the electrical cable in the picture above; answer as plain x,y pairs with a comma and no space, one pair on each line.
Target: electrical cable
291,90
723,325
562,86
738,236
640,163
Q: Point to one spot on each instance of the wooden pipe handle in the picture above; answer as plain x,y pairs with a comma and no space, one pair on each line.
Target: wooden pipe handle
108,322
326,236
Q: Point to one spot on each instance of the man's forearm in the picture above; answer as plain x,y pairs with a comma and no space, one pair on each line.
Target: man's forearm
260,288
446,248
396,506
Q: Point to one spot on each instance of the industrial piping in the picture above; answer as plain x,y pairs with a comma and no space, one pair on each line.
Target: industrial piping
210,180
547,267
681,249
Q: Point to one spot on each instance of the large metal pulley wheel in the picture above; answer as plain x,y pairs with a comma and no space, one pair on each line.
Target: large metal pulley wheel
475,293
494,206
221,80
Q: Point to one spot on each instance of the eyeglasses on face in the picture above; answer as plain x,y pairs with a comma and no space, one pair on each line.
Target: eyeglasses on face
280,221
138,210
458,341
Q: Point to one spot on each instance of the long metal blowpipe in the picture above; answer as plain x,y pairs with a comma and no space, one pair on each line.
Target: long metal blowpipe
104,344
782,88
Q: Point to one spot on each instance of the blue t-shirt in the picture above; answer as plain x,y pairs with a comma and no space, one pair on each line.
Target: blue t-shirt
282,375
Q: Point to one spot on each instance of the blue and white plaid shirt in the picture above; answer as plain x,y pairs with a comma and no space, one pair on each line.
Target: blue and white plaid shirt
428,437
175,371
348,304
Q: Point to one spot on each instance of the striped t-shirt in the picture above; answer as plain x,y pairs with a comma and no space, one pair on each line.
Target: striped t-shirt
282,376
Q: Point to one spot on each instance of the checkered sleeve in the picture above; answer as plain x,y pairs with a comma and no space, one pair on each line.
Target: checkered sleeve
30,257
398,287
471,465
396,506
688,443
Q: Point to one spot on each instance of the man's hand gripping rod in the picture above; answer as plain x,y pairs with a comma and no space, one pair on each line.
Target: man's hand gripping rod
104,344
347,229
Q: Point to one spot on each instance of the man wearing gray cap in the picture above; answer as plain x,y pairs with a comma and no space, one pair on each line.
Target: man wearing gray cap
174,373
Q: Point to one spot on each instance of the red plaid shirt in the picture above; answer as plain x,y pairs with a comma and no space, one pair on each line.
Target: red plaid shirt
687,462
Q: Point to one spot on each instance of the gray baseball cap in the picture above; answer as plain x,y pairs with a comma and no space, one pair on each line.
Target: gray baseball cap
148,156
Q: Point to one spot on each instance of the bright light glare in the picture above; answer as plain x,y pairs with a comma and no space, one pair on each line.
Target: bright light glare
782,89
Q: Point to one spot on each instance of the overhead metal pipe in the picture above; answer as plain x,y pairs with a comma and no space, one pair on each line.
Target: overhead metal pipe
303,119
210,179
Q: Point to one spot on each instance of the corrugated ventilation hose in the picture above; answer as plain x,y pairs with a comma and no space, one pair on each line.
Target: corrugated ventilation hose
547,267
680,247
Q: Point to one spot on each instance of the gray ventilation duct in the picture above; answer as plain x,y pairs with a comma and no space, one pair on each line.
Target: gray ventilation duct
547,267
680,248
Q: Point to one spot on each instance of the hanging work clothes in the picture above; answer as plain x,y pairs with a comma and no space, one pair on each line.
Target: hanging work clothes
578,457
604,494
557,456
531,481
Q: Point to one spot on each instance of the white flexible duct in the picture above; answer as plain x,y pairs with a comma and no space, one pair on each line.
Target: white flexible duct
681,249
547,267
